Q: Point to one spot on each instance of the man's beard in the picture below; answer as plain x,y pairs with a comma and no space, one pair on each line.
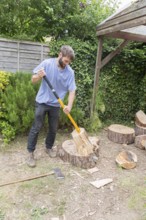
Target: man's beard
61,64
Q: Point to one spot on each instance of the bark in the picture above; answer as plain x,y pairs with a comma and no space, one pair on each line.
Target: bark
68,153
140,141
121,134
140,118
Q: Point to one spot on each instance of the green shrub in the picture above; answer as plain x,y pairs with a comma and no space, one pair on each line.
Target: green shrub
4,126
18,105
8,131
4,82
120,90
142,94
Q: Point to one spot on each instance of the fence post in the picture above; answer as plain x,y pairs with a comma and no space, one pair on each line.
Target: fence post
42,57
18,56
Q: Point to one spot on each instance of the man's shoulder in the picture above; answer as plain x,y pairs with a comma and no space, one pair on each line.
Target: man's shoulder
69,68
49,60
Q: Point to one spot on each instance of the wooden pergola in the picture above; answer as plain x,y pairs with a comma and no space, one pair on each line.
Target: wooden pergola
128,24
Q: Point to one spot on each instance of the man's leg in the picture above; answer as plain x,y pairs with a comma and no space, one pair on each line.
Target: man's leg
34,131
53,118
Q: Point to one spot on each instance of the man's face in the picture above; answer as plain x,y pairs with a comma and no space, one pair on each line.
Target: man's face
63,61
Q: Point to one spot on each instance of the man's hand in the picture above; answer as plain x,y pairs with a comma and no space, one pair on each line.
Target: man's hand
67,109
41,73
37,77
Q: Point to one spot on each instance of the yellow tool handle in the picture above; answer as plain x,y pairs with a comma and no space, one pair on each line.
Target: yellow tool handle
70,117
61,103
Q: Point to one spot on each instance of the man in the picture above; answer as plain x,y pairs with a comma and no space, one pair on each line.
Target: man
61,76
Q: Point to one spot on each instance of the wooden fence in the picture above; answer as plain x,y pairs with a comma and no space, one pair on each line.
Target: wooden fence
21,55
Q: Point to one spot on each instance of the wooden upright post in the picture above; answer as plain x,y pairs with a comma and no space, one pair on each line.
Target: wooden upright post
97,73
101,63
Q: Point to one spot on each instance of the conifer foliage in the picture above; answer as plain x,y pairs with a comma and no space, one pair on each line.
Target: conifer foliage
18,106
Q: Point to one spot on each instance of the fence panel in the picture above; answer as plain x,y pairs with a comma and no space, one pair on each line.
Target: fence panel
21,55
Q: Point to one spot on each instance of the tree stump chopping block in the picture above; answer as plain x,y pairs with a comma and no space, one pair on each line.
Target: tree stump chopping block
68,153
121,134
140,118
139,130
140,141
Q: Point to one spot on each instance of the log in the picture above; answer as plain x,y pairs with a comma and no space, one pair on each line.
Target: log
140,118
126,159
140,141
121,134
82,142
143,143
139,130
68,153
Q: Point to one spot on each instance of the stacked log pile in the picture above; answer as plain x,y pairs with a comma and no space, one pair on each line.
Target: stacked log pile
124,135
140,130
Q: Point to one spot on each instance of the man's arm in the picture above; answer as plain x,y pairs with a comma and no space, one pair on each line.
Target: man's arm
71,98
37,77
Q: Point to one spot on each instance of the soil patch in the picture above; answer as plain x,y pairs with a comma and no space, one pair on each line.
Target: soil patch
73,198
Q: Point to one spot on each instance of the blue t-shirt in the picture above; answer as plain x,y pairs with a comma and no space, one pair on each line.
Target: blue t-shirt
62,80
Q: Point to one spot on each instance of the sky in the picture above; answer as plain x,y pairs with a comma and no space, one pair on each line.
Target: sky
124,2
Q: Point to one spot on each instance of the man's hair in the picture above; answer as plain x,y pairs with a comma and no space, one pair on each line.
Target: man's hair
67,51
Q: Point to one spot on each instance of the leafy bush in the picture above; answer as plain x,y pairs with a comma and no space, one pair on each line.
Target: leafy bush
142,94
123,87
8,131
4,81
18,105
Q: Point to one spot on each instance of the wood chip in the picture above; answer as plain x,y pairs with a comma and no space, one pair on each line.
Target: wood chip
77,174
93,170
92,213
102,182
54,218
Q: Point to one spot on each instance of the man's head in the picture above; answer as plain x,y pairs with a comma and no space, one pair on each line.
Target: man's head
66,55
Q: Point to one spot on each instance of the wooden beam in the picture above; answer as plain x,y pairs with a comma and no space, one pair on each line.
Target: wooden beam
113,53
132,10
123,26
127,36
125,18
97,73
135,6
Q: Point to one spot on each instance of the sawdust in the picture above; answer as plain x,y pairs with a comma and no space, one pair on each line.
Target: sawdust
72,198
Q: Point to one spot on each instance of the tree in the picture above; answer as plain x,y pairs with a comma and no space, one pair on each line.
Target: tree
36,19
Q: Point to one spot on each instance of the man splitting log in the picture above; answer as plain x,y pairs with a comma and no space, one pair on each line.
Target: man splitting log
61,76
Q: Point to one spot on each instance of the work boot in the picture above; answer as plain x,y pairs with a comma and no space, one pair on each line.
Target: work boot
51,152
31,161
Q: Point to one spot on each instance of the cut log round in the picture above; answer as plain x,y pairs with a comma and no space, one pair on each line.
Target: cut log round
68,153
126,159
121,134
82,142
140,118
139,130
143,143
140,141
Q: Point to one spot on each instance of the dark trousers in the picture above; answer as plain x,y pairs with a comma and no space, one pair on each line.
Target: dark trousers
40,112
